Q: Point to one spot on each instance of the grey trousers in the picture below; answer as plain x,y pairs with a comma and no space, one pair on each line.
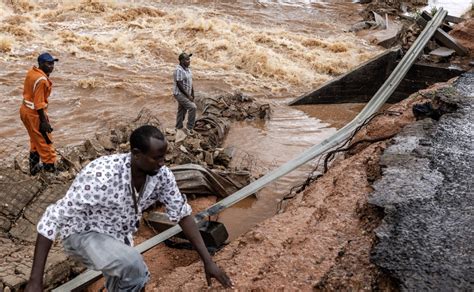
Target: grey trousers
185,105
122,266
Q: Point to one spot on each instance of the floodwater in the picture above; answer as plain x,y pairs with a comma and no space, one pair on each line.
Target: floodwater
117,57
269,145
454,7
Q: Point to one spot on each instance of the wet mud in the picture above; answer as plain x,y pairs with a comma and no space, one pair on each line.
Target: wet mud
463,34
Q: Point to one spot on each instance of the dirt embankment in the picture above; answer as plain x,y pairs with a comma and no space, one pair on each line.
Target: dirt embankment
323,239
463,34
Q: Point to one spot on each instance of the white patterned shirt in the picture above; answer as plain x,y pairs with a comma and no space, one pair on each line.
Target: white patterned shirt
184,75
100,199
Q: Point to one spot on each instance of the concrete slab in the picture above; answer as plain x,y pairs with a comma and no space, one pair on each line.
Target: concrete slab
442,52
386,38
445,39
17,190
360,84
357,85
454,19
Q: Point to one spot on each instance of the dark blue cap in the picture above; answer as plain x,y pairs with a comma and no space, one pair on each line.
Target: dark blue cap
183,56
46,57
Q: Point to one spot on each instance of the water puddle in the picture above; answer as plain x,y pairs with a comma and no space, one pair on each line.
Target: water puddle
270,144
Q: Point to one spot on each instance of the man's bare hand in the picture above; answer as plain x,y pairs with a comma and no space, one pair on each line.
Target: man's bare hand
213,271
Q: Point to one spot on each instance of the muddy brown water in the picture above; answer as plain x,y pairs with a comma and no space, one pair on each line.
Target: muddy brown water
454,8
117,57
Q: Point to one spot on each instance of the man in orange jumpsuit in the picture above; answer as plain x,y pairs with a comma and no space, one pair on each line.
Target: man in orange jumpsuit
34,115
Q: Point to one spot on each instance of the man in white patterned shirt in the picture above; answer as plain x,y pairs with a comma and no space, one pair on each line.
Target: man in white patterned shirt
183,91
101,210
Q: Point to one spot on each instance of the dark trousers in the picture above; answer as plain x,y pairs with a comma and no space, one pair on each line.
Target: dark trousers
185,105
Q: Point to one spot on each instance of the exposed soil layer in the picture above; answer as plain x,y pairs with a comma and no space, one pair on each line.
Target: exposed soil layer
322,240
425,241
463,33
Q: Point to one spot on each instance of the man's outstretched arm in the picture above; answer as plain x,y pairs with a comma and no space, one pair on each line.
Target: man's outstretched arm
191,231
43,245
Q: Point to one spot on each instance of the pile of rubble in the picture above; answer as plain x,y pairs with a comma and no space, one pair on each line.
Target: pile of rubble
218,112
395,22
391,7
235,107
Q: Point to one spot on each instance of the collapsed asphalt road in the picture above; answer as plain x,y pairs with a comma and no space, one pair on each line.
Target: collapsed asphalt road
427,192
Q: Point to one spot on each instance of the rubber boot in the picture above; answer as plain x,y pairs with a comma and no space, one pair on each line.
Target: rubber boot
49,167
34,163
